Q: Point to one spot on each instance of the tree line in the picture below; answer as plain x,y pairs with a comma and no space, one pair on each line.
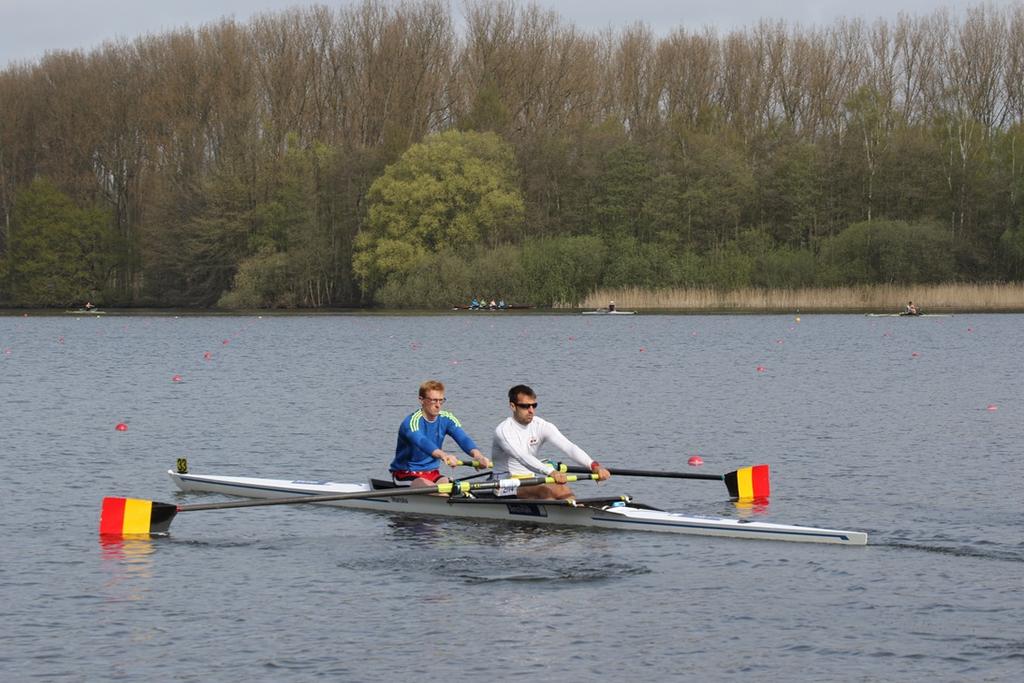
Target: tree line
396,154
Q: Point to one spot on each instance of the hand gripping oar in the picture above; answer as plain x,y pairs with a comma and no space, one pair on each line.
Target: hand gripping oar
129,516
746,483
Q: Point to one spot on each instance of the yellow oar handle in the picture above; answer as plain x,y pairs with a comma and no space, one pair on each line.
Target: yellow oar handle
550,480
474,464
514,482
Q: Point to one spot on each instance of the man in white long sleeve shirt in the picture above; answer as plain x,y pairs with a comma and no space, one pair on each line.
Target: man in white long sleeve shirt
517,443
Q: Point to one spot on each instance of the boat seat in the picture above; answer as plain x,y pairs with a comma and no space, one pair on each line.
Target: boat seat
386,484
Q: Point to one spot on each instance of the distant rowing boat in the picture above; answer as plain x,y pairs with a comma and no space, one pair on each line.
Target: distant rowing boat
615,512
82,311
604,311
488,309
909,315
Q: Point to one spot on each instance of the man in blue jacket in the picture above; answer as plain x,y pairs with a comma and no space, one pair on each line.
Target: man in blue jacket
418,455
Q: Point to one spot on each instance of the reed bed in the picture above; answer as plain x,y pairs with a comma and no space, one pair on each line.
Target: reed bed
946,298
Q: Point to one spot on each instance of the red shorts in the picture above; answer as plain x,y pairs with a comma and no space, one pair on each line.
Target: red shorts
405,475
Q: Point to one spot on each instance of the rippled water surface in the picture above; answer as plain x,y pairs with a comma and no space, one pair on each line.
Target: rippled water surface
909,429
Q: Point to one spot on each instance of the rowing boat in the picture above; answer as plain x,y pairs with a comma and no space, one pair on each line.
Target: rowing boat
908,314
607,312
616,512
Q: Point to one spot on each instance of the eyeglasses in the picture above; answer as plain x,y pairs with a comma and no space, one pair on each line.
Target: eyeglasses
524,406
433,400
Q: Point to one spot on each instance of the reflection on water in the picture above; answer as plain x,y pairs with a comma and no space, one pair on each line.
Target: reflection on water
416,529
131,549
128,559
751,507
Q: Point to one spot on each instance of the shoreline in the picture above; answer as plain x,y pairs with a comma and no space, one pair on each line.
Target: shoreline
554,311
944,298
878,299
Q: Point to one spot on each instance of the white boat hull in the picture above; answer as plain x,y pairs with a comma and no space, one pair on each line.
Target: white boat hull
609,312
604,516
908,315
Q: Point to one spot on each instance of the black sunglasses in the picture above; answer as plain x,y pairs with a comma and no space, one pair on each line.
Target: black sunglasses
524,406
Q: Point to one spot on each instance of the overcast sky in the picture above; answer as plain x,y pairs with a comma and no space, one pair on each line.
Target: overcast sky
28,28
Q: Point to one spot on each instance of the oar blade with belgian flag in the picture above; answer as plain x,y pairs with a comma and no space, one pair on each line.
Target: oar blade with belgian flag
132,516
748,483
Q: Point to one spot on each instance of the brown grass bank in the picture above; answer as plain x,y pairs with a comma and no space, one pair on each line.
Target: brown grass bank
1008,297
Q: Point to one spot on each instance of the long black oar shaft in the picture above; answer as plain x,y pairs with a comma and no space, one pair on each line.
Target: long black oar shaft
450,488
128,516
313,498
647,473
746,483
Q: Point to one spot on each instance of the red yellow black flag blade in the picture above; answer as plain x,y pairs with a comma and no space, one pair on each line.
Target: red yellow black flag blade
749,483
128,516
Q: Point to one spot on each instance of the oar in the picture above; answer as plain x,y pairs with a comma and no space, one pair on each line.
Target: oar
128,516
475,464
746,483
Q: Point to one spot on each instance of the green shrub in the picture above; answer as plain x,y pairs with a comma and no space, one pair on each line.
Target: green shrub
889,252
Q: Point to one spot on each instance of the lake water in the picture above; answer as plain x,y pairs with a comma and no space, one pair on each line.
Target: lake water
908,429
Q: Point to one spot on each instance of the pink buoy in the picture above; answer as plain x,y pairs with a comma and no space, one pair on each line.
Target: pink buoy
642,349
761,368
226,342
121,427
695,460
207,355
914,354
992,407
176,378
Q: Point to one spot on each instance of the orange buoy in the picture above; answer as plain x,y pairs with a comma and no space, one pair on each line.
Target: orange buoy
695,460
121,427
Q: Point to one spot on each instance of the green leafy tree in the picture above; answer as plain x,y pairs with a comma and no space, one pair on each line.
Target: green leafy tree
718,191
563,269
620,192
790,192
450,193
632,263
199,241
59,254
261,282
488,111
889,252
1011,253
294,251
